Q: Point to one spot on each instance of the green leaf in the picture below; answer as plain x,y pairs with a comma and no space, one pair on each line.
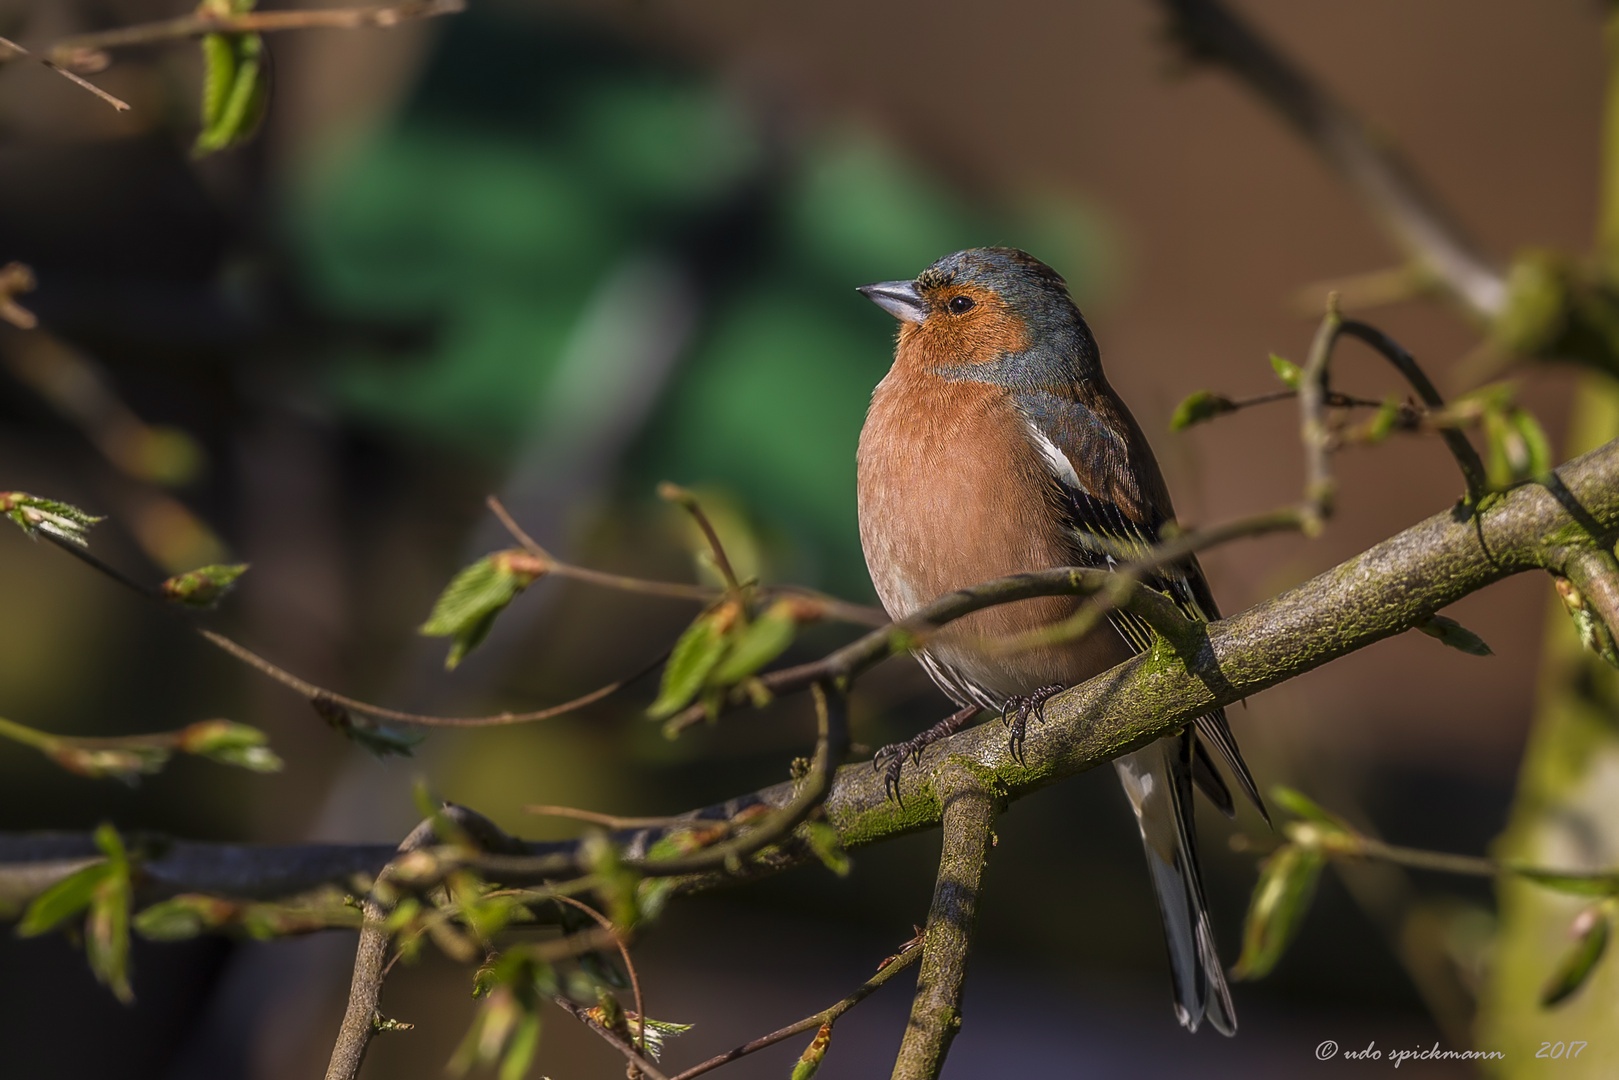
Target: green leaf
381,740
185,916
658,1032
35,515
1290,373
823,840
1452,633
106,930
230,743
1301,805
127,763
1516,448
466,609
810,1060
1594,634
1287,881
696,654
1591,941
62,901
203,587
103,892
234,90
766,638
1380,425
506,1026
1198,407
520,1050
1573,884
1538,448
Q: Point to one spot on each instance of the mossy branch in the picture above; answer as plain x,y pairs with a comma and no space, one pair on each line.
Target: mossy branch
1386,590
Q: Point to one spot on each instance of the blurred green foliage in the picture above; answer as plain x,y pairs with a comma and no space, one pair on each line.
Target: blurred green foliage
490,212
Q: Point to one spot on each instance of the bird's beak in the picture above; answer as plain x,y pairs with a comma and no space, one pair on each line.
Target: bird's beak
899,298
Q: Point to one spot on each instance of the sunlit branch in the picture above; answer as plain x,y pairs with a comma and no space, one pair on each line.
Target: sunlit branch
831,606
10,50
909,953
1413,217
623,952
968,820
636,1060
75,50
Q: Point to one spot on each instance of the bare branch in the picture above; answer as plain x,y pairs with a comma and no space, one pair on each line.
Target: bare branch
688,502
1383,591
313,692
73,49
842,610
10,50
611,821
968,818
832,746
623,951
1319,486
636,1061
1412,216
1460,448
907,955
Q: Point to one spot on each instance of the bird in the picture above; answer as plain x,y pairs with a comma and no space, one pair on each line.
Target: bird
994,446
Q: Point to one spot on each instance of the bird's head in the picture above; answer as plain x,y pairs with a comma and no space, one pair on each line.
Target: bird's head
989,314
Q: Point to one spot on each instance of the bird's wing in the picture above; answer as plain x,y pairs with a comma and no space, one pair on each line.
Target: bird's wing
1109,489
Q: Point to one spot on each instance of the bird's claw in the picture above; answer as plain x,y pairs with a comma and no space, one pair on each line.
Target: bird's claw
1016,712
891,759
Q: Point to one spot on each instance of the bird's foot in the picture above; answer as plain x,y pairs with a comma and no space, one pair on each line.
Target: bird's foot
1018,710
891,758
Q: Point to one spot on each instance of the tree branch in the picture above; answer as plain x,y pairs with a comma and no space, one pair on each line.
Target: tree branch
908,954
70,50
842,610
10,50
1412,216
636,1061
1385,590
969,818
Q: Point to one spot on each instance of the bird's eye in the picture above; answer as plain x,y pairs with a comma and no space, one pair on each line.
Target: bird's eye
960,305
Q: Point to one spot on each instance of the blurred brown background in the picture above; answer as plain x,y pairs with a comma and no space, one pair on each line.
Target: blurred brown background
316,312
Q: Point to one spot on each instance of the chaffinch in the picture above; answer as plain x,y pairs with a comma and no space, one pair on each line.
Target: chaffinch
995,446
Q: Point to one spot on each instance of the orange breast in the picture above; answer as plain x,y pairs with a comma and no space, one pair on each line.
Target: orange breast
951,494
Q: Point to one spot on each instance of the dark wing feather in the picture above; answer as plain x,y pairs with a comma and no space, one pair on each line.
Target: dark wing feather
1115,502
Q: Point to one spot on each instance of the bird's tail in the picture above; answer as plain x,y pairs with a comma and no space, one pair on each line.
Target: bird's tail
1158,781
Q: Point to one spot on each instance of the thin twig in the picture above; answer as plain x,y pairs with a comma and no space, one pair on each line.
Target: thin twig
688,502
251,22
636,1060
851,660
831,747
1460,448
1412,216
834,608
370,968
1373,288
909,953
611,821
1383,591
312,691
1417,859
147,591
623,950
1319,487
10,49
